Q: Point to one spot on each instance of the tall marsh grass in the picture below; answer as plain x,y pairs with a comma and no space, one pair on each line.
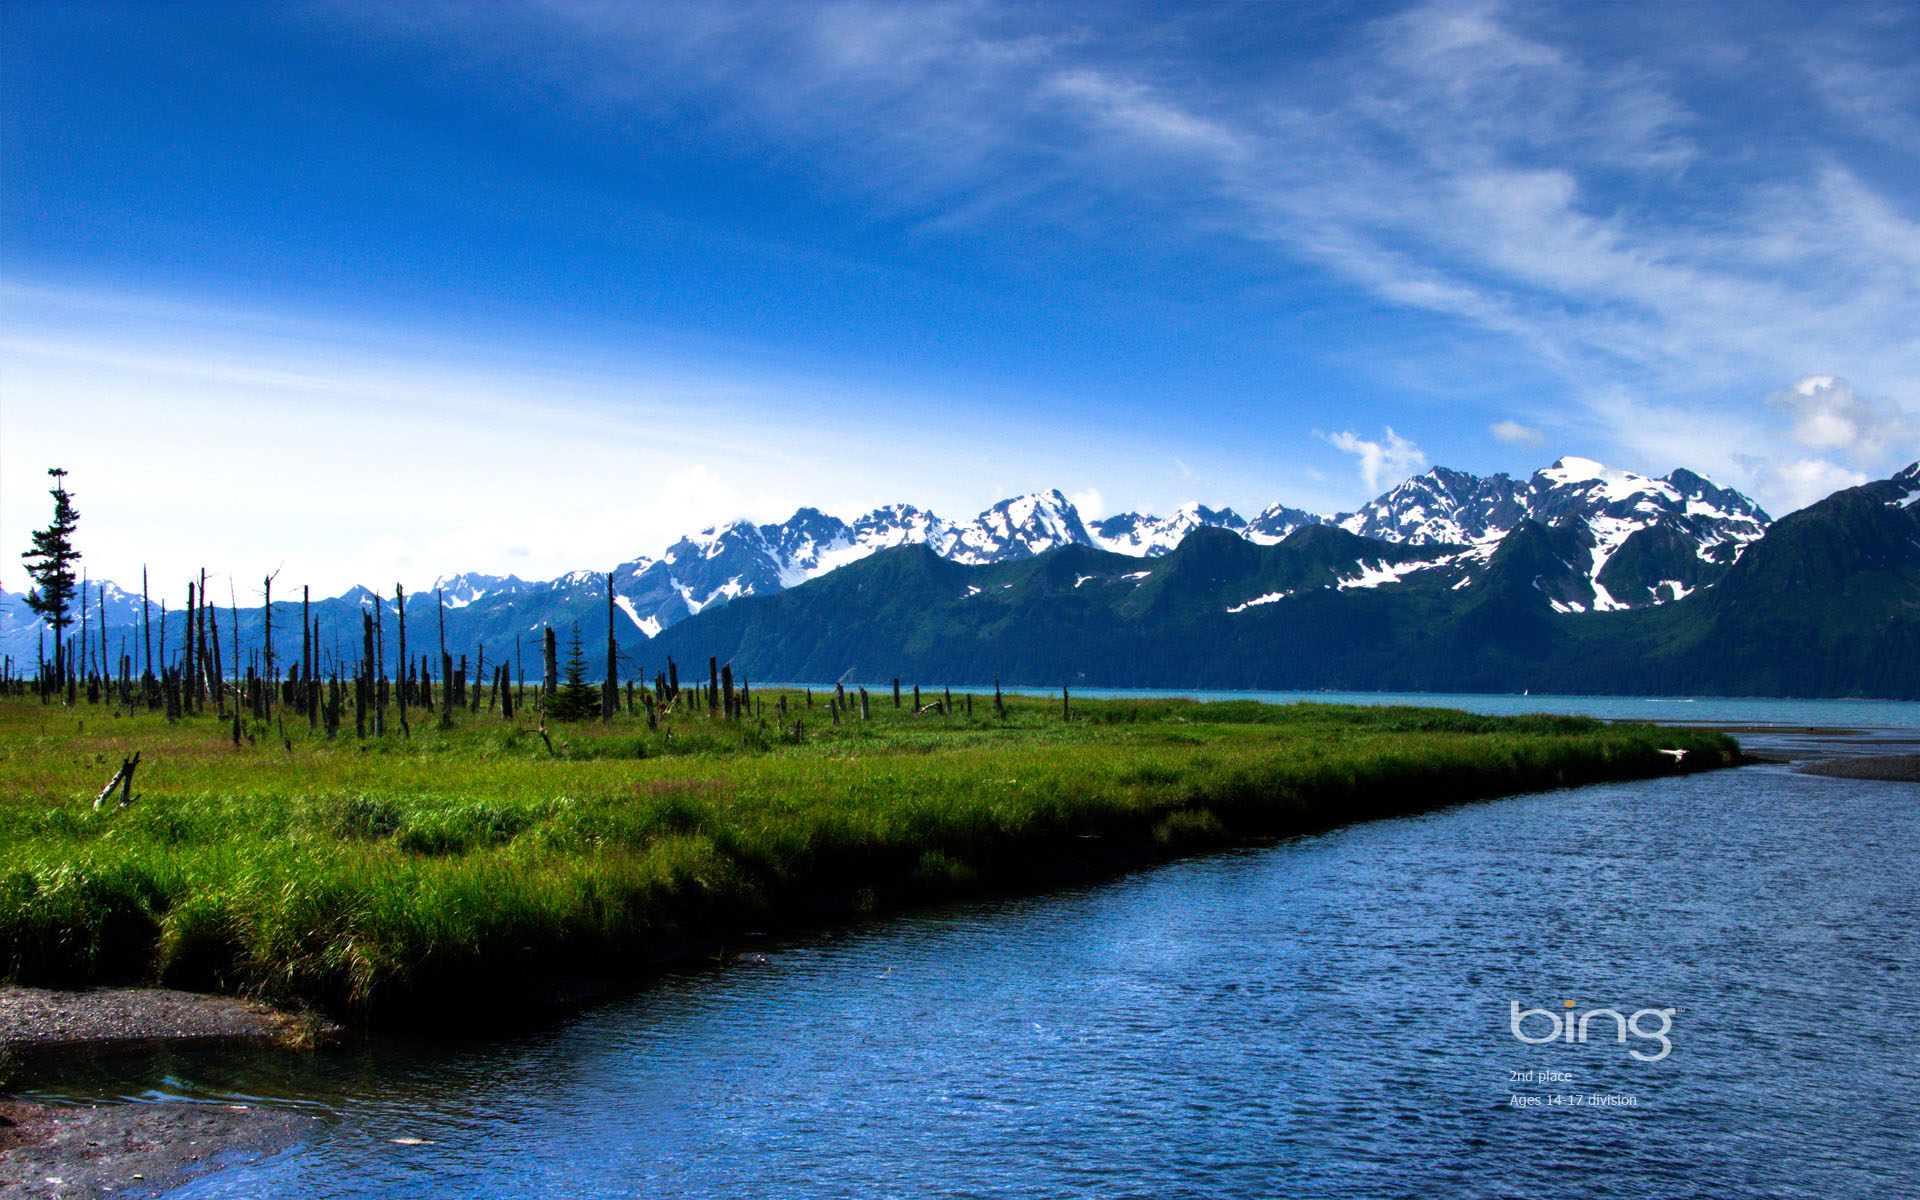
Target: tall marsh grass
451,875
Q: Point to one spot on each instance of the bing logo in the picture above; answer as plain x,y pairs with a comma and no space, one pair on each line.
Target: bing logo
1539,1026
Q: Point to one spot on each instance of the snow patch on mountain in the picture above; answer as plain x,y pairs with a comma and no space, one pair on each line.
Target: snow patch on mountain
1268,598
1379,573
1906,488
650,626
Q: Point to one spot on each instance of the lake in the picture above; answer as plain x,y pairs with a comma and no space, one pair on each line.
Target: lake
1332,1015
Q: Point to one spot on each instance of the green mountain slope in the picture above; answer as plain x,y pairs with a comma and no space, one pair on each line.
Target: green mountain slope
1827,604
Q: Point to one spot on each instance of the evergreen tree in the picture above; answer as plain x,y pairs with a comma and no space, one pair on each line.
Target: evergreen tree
576,699
50,562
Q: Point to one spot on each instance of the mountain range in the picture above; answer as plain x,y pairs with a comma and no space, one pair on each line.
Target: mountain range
1635,587
1428,563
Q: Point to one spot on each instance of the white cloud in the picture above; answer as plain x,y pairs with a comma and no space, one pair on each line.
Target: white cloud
1383,462
1513,433
1828,415
1090,504
1753,451
1808,480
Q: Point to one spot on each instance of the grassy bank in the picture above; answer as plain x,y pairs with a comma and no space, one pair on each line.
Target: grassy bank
458,873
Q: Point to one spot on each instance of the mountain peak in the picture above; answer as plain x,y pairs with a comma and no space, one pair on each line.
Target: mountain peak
1019,527
1571,468
1906,487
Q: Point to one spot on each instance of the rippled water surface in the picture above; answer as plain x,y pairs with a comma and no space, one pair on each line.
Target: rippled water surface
1327,1016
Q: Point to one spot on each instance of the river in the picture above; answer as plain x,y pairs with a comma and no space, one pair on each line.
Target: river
1328,1016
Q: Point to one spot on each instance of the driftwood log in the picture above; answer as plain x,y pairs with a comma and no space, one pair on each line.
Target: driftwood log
122,779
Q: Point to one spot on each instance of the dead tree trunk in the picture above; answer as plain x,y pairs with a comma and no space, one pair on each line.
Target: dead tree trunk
103,628
186,659
550,682
303,698
404,667
446,663
233,625
266,641
146,624
209,667
219,669
122,779
367,667
610,686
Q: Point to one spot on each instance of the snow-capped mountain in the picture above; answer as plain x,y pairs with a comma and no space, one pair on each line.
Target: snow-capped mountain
1277,521
1687,531
1623,540
1903,490
1442,507
1018,528
22,630
1637,540
1151,537
468,587
1651,540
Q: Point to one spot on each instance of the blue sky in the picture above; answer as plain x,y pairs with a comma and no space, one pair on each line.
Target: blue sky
415,288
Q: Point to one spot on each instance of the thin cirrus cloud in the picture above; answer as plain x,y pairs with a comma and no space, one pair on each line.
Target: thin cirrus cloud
1598,210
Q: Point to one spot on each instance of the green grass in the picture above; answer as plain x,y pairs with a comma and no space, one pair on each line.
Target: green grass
377,879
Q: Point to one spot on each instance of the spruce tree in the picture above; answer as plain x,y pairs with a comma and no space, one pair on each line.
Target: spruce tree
50,563
576,699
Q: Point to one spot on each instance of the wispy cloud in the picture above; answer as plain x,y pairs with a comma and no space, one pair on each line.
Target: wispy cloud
1593,210
646,449
1381,463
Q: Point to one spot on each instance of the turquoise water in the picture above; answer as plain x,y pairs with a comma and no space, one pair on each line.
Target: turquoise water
1847,714
1329,1016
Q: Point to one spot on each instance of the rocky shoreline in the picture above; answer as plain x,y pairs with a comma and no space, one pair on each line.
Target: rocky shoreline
37,1017
135,1149
50,1150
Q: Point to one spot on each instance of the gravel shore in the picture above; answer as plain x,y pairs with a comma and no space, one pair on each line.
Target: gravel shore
56,1150
1894,768
35,1017
130,1149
